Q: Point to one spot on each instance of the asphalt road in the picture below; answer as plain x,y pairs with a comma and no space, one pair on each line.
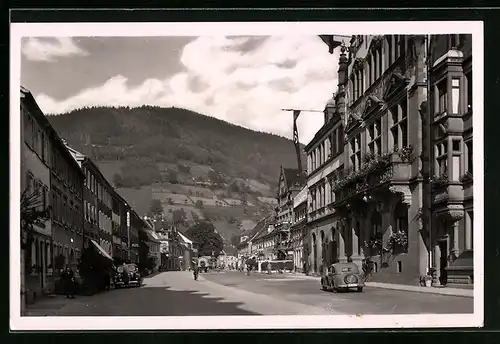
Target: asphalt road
370,301
234,293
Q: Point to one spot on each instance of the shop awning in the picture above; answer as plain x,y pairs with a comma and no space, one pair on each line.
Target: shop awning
101,250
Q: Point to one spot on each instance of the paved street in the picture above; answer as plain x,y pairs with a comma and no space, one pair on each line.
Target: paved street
234,293
370,301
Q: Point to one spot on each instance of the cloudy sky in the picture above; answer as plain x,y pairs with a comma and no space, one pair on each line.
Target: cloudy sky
242,80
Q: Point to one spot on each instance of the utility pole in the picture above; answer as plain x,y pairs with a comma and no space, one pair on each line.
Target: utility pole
296,113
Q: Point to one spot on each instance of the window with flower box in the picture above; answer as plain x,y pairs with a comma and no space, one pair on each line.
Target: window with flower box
356,152
399,125
375,137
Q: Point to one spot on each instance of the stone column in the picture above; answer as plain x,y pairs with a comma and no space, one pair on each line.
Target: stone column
468,233
437,265
341,244
455,214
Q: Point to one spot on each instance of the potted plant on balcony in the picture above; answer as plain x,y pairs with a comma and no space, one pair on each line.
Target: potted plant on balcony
398,241
406,154
466,178
440,181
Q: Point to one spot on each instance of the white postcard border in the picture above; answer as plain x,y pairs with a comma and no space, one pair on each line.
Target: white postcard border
19,30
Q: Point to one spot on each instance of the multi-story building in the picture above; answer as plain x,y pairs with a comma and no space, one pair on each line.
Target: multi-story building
119,225
298,231
290,183
451,156
36,138
65,185
96,203
136,224
324,165
377,197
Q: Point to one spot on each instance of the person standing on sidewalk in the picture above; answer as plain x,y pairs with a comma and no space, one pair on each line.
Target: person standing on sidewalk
68,282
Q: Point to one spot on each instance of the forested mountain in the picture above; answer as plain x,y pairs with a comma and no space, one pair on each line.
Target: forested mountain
143,137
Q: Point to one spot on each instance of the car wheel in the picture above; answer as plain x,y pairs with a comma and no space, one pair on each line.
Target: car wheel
360,289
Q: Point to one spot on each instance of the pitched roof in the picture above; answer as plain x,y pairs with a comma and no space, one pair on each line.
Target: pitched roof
260,227
294,177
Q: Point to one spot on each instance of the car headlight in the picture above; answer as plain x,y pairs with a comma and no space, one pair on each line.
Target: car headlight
350,279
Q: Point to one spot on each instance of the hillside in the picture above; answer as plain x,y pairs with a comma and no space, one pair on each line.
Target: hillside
206,167
142,137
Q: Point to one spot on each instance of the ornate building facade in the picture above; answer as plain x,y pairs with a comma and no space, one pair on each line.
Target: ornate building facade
451,156
375,195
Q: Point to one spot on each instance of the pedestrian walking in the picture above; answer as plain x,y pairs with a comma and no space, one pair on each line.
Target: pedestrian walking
195,272
69,282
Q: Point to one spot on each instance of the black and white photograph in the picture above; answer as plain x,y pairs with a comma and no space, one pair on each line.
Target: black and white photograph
246,175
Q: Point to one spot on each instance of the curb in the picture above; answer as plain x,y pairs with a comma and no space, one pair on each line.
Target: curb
416,289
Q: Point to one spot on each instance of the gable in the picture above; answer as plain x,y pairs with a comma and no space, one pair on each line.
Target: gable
372,104
352,122
395,84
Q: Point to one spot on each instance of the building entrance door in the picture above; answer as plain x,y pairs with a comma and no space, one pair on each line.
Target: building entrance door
443,261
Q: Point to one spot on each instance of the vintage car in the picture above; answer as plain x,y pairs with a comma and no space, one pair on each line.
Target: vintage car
127,275
342,276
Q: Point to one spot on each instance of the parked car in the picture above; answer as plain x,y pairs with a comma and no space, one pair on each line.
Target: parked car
127,275
342,276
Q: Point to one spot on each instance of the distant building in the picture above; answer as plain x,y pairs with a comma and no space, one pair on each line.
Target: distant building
299,232
290,183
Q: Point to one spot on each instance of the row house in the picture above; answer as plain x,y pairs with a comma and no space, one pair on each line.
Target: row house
136,224
61,187
66,191
96,204
299,232
290,183
398,160
35,180
451,156
120,220
171,243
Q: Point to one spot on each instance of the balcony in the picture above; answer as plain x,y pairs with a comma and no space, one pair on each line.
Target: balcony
445,190
391,171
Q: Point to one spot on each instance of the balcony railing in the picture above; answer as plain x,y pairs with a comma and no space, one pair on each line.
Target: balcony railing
391,168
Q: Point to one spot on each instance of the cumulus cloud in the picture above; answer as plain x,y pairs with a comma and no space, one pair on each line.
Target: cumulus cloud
243,80
37,49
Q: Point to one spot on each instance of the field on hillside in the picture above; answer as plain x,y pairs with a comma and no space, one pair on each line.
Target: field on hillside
247,224
206,201
176,198
204,192
188,209
268,200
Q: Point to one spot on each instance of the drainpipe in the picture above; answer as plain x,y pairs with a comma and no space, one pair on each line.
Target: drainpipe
430,150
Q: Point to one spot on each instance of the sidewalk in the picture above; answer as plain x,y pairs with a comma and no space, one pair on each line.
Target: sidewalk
402,287
52,305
